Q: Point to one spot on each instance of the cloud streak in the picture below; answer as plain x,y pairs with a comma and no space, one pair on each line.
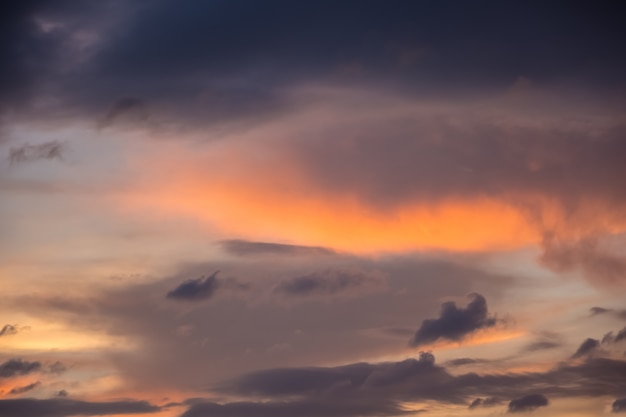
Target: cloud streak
30,407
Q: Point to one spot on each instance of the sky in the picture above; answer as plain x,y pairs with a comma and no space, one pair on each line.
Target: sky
240,208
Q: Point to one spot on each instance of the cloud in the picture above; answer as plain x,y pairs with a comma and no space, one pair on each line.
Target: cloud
302,408
586,255
14,367
342,379
248,248
619,405
546,341
611,311
8,329
417,380
586,348
528,403
455,323
29,407
465,361
195,289
611,338
330,282
483,402
126,109
25,388
29,153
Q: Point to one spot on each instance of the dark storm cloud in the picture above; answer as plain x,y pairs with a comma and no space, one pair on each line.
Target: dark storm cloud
15,367
25,388
261,38
195,289
329,282
240,52
29,407
28,153
455,323
619,405
610,311
248,248
37,41
306,408
8,329
586,347
528,403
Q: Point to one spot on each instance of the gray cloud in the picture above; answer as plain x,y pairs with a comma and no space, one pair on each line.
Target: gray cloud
195,289
615,338
302,408
465,361
414,380
25,388
14,367
455,323
28,153
248,248
8,329
330,282
29,407
610,311
619,405
528,403
483,402
588,346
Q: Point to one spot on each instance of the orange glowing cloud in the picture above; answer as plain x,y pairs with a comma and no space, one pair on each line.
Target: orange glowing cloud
234,193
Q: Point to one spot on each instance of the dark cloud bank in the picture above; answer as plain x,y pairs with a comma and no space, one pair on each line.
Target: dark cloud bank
29,407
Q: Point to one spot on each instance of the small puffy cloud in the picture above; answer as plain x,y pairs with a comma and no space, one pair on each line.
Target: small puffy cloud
528,403
455,323
15,367
198,289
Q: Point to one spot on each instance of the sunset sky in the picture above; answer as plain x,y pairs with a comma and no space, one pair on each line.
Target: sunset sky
279,208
